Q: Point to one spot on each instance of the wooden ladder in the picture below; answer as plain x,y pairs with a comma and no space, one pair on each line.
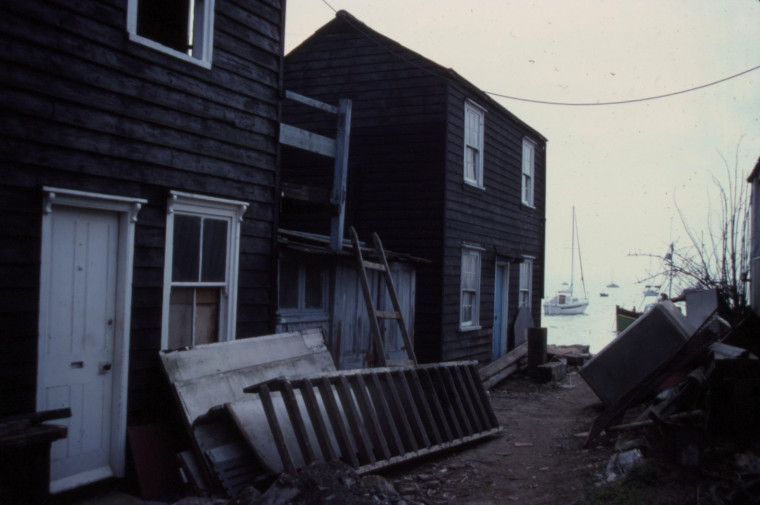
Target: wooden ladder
376,315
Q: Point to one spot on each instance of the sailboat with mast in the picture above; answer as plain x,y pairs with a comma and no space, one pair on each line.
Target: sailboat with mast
565,302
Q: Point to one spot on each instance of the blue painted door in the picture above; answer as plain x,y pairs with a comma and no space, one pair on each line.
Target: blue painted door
500,310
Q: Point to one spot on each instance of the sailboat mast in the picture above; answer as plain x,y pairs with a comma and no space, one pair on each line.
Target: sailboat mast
572,252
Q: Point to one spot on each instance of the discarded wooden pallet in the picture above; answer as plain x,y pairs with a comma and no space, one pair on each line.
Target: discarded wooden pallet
260,406
370,418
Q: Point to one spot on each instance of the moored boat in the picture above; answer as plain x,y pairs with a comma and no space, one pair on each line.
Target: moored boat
565,302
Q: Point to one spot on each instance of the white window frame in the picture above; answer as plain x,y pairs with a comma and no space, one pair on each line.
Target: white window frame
205,206
301,313
526,282
200,28
473,111
473,323
528,172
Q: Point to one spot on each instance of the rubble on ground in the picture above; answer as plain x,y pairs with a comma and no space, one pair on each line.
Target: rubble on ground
684,393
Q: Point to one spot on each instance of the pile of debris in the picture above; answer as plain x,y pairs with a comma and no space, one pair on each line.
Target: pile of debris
271,406
323,484
684,389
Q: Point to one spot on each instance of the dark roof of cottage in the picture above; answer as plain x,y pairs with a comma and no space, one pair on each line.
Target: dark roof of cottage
413,58
755,171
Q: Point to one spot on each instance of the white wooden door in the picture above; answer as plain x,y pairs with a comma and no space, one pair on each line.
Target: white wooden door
79,283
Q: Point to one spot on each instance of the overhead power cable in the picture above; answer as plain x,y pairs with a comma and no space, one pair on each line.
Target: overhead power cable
621,102
550,102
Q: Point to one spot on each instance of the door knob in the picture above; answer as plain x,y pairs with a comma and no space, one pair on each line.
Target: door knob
104,366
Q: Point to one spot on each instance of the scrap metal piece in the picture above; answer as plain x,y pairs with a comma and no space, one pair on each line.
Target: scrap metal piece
369,418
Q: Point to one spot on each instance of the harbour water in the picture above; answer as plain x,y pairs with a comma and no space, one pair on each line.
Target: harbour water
596,327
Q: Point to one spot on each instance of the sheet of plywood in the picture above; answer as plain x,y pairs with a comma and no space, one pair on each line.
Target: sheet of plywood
209,375
209,359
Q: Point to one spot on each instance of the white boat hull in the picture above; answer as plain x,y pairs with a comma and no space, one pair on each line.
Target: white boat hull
570,307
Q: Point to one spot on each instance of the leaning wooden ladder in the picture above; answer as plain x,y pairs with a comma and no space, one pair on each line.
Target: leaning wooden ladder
376,315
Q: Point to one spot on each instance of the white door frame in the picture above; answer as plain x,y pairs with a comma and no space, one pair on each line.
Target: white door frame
127,209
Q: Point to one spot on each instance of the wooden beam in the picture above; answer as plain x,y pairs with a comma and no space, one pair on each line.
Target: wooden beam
306,140
311,102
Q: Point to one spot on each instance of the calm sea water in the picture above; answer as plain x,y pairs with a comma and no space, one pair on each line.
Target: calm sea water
596,327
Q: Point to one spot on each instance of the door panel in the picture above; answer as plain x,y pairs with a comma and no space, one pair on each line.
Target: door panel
75,368
500,311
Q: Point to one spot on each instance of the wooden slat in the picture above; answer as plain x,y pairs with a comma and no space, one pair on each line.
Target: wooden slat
342,434
354,421
306,140
382,314
318,421
297,422
399,413
274,424
379,396
410,404
371,423
311,102
374,266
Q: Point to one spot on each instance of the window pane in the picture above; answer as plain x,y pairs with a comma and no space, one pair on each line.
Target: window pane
314,286
214,250
181,318
467,299
186,252
164,21
206,315
288,284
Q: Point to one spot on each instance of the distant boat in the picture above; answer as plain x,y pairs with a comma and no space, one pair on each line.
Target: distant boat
603,294
565,302
624,317
612,285
652,291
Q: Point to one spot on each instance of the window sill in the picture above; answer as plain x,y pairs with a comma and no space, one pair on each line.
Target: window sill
139,39
528,206
466,329
474,185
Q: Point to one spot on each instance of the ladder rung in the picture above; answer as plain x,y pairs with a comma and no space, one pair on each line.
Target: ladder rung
374,266
380,314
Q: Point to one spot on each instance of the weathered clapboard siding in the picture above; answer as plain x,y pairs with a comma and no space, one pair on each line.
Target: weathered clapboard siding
86,109
406,176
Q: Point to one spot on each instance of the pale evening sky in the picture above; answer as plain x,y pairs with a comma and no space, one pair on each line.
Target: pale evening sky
624,167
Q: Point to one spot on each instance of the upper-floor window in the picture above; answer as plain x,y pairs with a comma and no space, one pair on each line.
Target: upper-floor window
200,270
528,171
183,28
474,121
526,282
469,310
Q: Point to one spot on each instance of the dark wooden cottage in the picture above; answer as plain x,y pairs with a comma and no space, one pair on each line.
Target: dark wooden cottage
441,171
137,204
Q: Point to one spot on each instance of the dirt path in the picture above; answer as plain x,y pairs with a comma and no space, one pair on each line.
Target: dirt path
539,458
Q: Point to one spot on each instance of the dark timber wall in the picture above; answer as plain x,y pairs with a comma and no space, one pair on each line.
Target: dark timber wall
405,174
84,108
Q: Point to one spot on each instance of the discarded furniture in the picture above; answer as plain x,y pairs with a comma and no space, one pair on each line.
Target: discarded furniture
638,351
643,358
25,455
